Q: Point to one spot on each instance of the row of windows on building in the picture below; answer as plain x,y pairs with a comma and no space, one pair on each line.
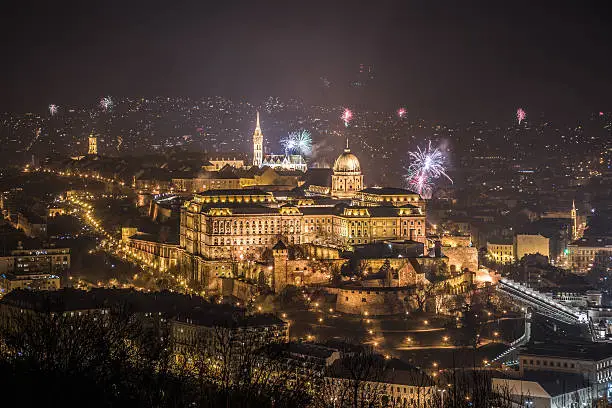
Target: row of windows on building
258,224
549,363
252,241
241,231
247,224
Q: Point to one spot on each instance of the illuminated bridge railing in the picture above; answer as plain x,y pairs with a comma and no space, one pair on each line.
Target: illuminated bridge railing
542,304
511,353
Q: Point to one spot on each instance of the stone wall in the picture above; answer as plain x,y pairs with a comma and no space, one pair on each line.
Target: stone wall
462,258
456,241
374,301
239,289
321,252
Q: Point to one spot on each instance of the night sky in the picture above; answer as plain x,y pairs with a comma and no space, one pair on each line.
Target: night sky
442,61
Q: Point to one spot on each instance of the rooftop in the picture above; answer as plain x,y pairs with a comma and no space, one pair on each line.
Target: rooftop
394,371
69,299
593,242
387,191
569,350
234,192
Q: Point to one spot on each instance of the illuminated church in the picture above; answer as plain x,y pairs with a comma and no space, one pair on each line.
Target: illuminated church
274,161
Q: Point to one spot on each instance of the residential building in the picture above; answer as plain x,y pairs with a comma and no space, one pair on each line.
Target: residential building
587,252
36,261
500,251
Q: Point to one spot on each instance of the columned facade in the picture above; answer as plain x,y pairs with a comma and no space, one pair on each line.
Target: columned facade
347,179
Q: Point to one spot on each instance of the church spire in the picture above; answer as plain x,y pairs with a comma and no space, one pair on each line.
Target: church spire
574,215
257,144
347,146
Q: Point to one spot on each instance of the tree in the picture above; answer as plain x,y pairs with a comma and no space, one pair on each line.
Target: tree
424,292
355,381
335,274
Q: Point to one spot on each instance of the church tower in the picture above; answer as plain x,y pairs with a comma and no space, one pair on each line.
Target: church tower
257,144
574,215
93,145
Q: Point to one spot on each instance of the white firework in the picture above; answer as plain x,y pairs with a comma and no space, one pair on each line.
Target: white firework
106,103
299,142
53,109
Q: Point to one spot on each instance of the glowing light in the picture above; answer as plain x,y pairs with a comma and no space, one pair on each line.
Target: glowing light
401,112
299,142
600,113
347,116
520,115
53,109
106,103
427,165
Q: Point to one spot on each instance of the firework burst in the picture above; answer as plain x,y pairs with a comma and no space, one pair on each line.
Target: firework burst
520,115
53,109
106,103
288,143
401,112
427,165
347,116
299,142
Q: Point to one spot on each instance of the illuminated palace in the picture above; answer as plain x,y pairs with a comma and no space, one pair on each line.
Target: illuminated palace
274,161
235,225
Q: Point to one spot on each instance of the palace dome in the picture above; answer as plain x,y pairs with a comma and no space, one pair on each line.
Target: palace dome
347,162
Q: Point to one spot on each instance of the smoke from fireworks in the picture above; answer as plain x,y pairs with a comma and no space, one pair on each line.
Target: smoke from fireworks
106,103
347,115
520,115
427,165
299,142
53,109
401,112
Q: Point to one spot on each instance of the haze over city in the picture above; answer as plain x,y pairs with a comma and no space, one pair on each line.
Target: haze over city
443,61
306,204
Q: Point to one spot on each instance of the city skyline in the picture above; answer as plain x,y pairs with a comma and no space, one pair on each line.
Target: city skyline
270,204
480,60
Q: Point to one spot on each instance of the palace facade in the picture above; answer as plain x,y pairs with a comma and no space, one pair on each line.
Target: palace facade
243,223
222,227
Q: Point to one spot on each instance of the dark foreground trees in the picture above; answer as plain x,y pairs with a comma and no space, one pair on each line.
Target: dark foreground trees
116,358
